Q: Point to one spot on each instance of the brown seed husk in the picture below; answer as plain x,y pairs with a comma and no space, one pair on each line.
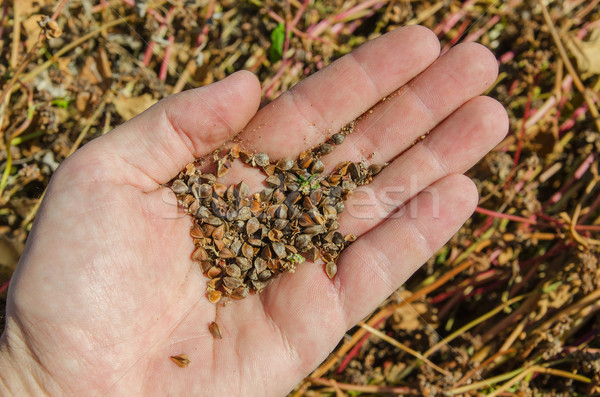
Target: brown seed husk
331,269
181,360
243,241
215,330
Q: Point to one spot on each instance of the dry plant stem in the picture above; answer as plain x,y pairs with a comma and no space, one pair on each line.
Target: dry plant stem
58,10
31,75
514,335
428,13
581,319
338,391
515,316
487,382
366,389
80,138
538,369
570,310
15,134
401,346
461,331
569,65
573,222
300,33
89,123
483,365
470,325
2,21
31,214
14,56
8,88
384,313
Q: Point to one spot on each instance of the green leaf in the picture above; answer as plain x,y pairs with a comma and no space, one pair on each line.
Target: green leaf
62,102
277,40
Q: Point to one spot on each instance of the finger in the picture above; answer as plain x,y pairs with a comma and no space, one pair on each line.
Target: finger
323,103
381,260
464,72
452,148
154,146
313,311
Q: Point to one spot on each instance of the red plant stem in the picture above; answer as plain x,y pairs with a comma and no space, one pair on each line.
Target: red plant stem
452,19
471,282
570,123
58,10
316,29
487,288
148,53
552,252
445,310
541,112
484,228
517,287
591,210
459,32
478,33
515,218
150,11
522,132
355,349
573,349
494,255
376,4
297,32
351,354
552,221
289,27
164,67
299,13
536,262
513,87
204,33
445,295
4,286
579,172
268,89
591,228
526,178
566,88
582,169
159,18
506,57
505,216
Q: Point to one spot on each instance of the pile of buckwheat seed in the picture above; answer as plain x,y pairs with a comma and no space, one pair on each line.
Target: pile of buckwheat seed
243,240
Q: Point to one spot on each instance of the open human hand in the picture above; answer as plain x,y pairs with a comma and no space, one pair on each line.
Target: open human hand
106,290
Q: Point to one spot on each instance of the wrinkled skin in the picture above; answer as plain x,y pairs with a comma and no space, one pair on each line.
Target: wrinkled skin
106,291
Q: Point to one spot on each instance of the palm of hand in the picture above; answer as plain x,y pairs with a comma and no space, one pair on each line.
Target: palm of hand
106,290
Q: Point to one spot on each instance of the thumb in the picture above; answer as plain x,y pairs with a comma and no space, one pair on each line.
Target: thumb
151,148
